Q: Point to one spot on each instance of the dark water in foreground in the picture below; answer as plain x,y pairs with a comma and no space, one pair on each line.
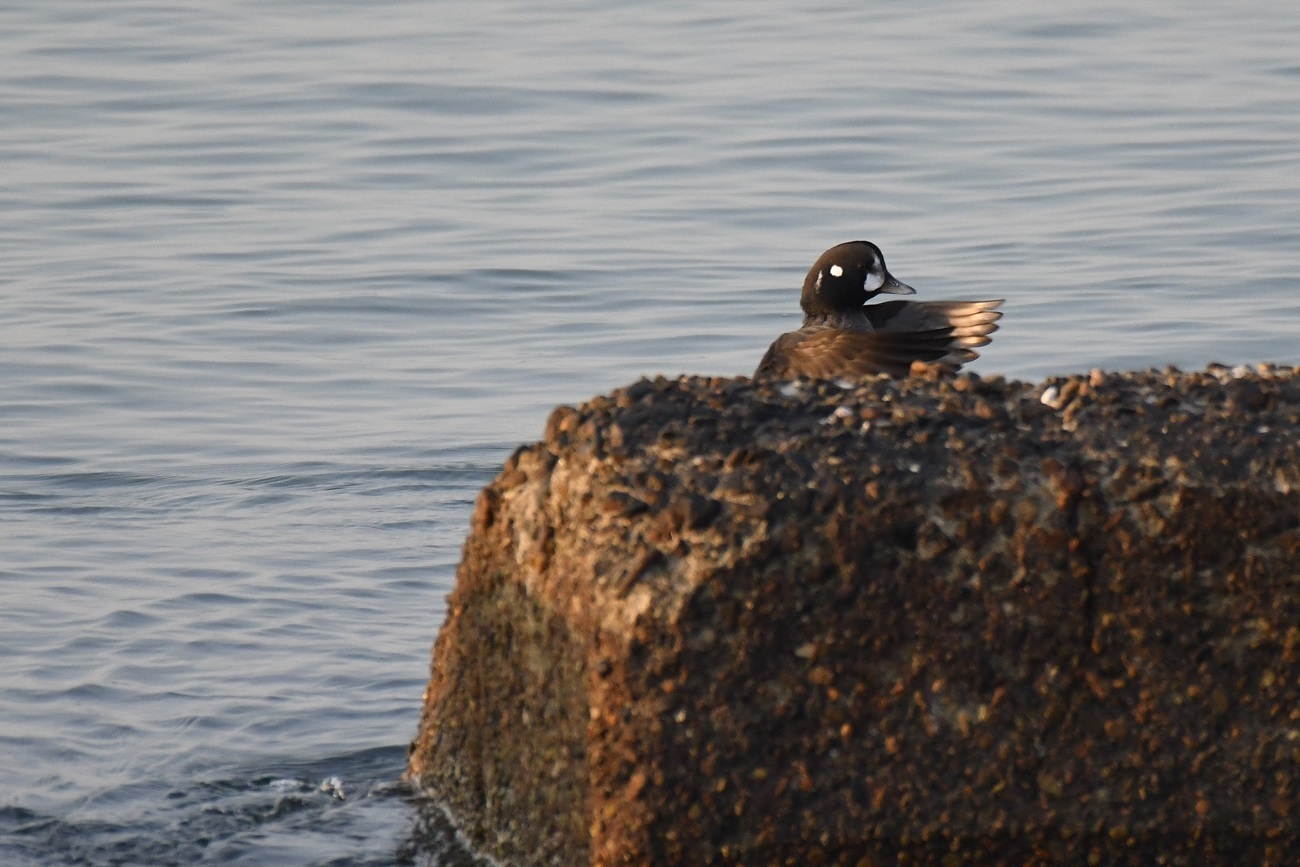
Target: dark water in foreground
285,282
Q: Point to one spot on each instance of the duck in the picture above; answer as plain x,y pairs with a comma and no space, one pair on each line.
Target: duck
843,337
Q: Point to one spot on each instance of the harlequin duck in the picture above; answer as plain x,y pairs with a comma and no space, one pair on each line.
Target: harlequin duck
841,338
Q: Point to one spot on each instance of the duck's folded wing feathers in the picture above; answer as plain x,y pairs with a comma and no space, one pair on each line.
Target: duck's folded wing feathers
829,353
971,321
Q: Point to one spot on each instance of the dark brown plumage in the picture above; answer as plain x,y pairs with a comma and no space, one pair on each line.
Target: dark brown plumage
842,338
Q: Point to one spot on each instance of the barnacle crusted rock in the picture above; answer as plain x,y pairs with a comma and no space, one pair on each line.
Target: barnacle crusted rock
963,620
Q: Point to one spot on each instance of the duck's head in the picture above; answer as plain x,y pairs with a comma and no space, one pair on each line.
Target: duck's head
845,277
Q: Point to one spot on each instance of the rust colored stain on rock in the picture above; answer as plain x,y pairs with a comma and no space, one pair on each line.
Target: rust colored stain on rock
961,620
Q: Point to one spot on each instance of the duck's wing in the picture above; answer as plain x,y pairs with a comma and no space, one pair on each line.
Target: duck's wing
823,352
971,321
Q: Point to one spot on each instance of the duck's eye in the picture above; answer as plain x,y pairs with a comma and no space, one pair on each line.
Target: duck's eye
836,271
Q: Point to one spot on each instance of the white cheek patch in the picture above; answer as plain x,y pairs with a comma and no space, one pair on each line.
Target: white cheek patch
818,284
875,280
836,271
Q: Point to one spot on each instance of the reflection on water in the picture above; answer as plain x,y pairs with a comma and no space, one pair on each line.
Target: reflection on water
435,842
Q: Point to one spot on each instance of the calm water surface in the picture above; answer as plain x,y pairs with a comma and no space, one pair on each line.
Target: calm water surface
284,282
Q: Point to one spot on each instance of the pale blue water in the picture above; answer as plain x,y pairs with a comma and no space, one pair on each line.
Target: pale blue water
282,283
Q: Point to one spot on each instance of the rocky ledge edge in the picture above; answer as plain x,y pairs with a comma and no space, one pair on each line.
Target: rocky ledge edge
958,620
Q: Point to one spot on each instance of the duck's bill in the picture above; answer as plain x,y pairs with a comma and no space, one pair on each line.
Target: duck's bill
893,287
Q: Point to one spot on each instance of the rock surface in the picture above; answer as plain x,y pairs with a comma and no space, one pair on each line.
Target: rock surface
962,620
